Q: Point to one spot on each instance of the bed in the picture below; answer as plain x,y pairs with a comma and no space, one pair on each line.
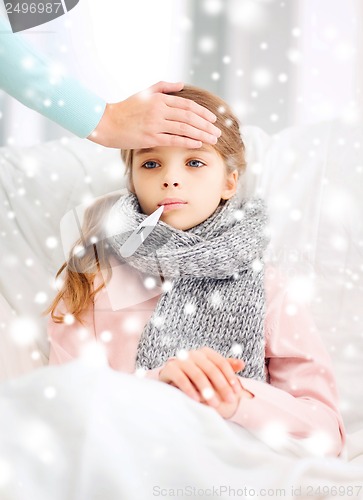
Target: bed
84,431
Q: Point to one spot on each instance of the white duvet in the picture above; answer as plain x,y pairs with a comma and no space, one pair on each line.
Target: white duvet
83,431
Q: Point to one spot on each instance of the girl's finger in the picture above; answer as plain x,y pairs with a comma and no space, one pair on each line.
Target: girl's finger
216,376
223,364
200,381
237,365
174,375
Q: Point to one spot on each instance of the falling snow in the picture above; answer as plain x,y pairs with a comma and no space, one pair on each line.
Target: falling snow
150,283
24,331
167,286
94,354
51,242
236,349
264,77
190,308
132,324
41,298
213,7
182,354
50,392
208,393
158,321
249,15
106,336
206,45
69,319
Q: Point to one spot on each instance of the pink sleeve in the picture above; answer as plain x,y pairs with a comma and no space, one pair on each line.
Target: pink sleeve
301,395
67,340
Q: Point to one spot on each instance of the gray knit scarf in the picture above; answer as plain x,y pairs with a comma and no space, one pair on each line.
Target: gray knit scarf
215,273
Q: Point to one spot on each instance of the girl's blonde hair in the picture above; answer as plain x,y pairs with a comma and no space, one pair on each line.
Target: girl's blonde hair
230,145
81,268
88,256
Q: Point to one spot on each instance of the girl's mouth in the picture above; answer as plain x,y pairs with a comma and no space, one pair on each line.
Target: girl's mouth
173,206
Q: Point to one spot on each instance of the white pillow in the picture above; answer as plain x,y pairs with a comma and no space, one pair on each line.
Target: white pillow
39,185
312,180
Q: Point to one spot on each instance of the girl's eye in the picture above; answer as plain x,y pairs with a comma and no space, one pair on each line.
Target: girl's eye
150,164
195,163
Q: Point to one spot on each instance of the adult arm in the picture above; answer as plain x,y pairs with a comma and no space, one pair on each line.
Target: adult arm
35,81
146,119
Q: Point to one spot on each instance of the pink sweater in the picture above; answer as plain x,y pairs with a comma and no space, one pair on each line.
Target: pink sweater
301,394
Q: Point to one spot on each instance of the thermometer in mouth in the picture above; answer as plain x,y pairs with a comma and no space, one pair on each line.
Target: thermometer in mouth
140,234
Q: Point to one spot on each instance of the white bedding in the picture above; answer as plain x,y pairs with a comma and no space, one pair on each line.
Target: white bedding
83,431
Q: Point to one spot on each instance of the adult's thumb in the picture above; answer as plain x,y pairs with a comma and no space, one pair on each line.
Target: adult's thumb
166,87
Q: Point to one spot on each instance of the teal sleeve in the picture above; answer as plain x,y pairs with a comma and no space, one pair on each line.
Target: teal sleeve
34,81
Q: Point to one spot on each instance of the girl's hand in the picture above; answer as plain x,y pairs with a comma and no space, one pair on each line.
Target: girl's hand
205,375
227,410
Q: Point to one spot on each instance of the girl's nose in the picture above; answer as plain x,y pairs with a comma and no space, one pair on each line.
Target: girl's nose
166,184
170,175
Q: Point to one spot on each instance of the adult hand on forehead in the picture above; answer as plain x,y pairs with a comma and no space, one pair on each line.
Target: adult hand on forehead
152,118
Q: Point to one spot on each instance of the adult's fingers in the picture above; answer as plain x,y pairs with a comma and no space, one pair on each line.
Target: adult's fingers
185,116
164,87
189,116
189,105
185,130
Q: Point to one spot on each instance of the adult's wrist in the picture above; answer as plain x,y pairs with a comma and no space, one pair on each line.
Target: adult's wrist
102,134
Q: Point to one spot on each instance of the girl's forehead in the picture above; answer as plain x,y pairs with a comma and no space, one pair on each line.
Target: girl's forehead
206,148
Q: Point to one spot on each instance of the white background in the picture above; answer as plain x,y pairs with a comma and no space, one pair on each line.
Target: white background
283,64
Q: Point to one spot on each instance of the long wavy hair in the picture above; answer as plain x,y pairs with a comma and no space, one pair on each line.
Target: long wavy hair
87,258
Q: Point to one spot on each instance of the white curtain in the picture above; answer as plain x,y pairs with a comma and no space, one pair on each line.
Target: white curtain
281,63
327,82
20,126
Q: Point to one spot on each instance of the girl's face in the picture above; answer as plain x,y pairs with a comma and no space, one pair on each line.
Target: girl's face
198,177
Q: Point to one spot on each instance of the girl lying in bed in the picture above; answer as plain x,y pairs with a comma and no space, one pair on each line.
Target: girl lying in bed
195,306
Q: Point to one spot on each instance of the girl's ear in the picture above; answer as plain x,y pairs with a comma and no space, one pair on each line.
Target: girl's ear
231,184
